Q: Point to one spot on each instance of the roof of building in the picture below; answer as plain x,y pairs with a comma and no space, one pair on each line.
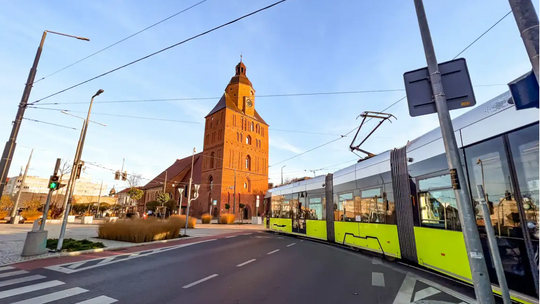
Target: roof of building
226,102
176,168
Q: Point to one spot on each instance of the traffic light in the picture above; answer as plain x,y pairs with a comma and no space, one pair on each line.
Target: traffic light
53,182
79,170
124,175
117,175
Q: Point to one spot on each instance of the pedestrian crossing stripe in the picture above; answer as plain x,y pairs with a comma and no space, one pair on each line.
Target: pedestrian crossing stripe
35,289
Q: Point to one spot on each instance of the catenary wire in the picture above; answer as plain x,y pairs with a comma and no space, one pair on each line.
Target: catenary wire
162,50
120,41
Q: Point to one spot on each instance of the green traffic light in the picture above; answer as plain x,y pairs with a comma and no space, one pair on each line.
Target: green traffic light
53,185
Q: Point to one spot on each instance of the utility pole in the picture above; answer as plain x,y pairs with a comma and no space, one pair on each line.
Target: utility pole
11,144
13,217
234,195
164,191
527,23
477,262
189,190
282,173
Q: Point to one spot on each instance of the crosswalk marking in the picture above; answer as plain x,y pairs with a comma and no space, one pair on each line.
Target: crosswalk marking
12,273
30,288
6,268
73,266
53,296
21,280
98,300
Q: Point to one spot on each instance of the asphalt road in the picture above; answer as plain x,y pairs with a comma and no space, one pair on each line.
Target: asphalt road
257,268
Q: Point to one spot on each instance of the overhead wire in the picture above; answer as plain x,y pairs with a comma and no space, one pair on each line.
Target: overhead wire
49,123
160,51
120,41
393,104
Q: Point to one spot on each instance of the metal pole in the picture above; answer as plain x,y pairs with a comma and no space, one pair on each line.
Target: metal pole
11,144
234,196
492,239
527,22
16,205
189,191
164,191
48,202
282,174
74,173
477,262
181,191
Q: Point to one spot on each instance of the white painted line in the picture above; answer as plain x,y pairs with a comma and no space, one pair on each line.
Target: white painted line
64,267
424,293
29,288
200,281
108,260
99,300
53,296
73,266
404,294
230,236
301,240
13,273
6,268
449,291
377,279
21,280
247,234
245,263
376,261
291,244
271,252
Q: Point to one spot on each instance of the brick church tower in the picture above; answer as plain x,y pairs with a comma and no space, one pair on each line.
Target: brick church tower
235,154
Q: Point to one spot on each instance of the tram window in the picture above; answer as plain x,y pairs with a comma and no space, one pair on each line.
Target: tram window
524,146
286,209
315,208
371,206
390,208
438,209
487,164
276,206
443,181
345,210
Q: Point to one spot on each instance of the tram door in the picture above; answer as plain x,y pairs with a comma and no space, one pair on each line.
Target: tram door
507,166
298,205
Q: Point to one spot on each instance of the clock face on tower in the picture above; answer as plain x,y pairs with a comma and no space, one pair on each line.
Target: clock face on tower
249,103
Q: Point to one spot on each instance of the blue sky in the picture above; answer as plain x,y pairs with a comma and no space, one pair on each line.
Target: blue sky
299,46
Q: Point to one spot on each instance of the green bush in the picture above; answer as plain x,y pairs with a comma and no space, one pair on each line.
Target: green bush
74,245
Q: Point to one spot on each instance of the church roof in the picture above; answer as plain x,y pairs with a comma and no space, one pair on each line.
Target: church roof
226,102
175,169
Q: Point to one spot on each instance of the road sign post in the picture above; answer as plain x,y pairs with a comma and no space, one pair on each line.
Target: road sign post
477,262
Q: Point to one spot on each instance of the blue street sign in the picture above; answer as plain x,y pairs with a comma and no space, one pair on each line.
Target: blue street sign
525,91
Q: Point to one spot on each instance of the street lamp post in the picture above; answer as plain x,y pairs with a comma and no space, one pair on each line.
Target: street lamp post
181,192
196,194
9,149
282,173
74,171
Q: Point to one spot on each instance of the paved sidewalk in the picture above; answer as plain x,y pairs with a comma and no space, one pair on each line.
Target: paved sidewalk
12,238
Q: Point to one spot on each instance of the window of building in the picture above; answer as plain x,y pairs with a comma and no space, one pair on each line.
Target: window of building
245,185
248,184
438,207
210,183
252,128
241,137
212,155
248,140
248,163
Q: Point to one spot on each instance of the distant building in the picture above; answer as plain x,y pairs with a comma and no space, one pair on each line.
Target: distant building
36,184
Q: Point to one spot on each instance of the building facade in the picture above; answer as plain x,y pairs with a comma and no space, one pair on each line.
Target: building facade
235,155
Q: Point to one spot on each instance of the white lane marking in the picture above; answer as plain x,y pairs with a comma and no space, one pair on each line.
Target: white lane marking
271,252
53,296
404,294
6,268
200,281
29,288
64,267
291,244
247,234
301,240
377,279
245,263
376,261
99,300
230,236
73,266
12,273
21,280
424,293
107,260
449,291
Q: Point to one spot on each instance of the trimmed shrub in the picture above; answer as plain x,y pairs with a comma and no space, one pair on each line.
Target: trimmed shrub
3,214
226,218
206,218
31,215
182,220
74,245
141,230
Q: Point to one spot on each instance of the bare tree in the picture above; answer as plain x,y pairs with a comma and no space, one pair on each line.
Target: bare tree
134,179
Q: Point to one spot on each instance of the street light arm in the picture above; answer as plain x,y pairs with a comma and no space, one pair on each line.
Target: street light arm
71,36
